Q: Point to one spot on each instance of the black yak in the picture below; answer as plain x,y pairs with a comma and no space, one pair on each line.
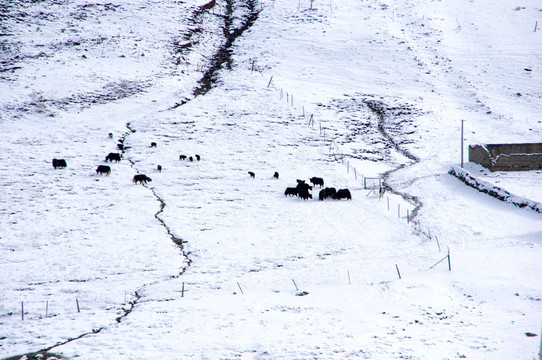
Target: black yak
304,194
330,191
343,194
326,193
317,181
291,191
322,195
304,186
103,169
252,175
59,163
113,156
142,179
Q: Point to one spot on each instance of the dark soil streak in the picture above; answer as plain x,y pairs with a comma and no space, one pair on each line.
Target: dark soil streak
223,55
380,109
179,242
43,353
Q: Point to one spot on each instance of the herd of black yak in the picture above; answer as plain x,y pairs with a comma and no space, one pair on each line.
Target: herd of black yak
115,156
302,190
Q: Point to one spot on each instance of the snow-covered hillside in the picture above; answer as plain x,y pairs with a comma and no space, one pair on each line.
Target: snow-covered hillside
205,261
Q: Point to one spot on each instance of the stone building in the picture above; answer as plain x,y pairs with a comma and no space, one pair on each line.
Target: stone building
507,157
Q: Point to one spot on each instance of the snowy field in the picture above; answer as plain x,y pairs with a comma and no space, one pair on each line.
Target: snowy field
207,262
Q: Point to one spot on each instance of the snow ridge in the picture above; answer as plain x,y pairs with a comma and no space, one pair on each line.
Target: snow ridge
494,191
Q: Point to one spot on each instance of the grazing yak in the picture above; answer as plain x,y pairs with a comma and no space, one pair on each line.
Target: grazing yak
303,186
304,194
322,195
113,156
103,169
198,158
59,163
330,191
252,175
142,179
317,181
182,157
276,175
291,191
153,144
326,193
342,194
159,168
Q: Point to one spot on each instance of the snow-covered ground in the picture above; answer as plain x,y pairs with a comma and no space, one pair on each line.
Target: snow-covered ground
207,262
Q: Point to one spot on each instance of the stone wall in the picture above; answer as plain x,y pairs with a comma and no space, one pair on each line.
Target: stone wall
507,157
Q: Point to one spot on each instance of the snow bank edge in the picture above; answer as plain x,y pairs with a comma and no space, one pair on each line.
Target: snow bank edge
494,191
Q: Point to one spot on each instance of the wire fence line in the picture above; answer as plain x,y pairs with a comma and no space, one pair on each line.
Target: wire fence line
336,152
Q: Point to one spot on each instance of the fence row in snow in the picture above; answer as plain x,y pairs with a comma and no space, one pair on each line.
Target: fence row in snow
373,184
32,312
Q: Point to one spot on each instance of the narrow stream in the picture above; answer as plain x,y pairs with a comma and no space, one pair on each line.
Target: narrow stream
380,110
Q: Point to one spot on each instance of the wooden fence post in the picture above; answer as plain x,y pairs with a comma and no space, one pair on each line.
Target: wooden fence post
449,261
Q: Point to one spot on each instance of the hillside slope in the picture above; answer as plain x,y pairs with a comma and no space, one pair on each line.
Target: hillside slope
205,261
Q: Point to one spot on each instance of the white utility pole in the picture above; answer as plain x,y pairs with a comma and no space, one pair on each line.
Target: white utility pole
462,121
